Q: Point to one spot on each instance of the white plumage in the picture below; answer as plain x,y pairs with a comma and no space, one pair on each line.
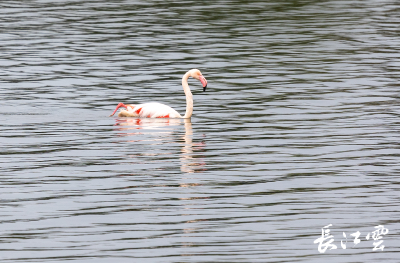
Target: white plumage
158,110
150,110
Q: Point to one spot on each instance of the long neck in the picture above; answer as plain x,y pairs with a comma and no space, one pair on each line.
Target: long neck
189,96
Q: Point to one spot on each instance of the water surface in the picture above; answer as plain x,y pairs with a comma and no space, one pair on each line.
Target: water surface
299,128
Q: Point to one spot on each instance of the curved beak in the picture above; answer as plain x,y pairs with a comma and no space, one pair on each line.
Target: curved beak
119,106
203,82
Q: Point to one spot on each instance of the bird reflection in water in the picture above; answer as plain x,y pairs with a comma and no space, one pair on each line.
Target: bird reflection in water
188,162
164,131
168,131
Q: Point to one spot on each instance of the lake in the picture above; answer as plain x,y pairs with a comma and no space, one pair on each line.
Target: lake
295,140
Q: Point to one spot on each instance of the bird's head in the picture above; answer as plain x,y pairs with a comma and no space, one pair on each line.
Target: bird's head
196,74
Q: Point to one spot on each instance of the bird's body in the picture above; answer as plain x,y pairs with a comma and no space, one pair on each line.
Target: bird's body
158,110
149,110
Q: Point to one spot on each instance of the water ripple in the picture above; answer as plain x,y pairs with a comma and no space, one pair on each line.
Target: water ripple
298,129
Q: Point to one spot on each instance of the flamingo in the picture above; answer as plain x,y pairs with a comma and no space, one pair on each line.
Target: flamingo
158,110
